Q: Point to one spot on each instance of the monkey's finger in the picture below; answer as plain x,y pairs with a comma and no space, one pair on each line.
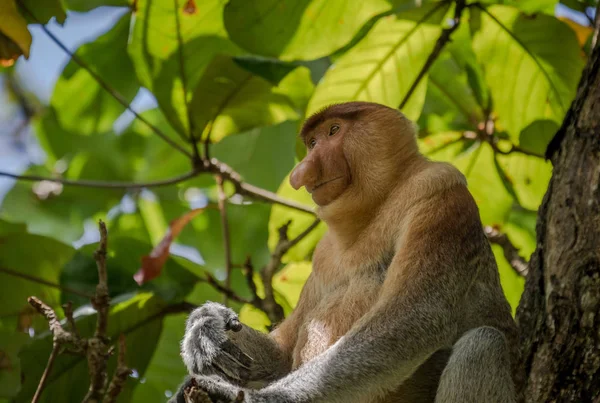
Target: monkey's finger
236,353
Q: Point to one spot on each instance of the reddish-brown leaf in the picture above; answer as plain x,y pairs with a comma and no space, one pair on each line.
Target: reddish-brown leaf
153,263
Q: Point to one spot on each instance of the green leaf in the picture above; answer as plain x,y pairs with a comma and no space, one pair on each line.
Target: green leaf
537,135
485,183
138,318
87,5
81,104
384,65
124,259
280,215
43,11
32,256
528,6
233,100
171,45
262,156
532,65
282,29
529,177
456,92
166,370
10,368
512,283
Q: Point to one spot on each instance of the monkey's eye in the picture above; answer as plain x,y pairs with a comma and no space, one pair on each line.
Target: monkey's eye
333,130
312,143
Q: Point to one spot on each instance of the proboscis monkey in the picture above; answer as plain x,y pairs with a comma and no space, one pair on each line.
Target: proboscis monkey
404,302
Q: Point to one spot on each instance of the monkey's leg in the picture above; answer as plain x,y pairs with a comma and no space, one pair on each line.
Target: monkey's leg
478,370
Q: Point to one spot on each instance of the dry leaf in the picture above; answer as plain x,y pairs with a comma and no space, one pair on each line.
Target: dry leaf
152,264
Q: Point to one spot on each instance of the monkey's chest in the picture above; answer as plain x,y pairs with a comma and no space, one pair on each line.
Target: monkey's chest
333,316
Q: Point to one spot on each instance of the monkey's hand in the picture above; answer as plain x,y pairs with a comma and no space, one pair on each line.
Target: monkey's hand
206,348
220,391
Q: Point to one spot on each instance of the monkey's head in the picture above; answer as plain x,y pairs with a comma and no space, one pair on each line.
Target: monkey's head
355,150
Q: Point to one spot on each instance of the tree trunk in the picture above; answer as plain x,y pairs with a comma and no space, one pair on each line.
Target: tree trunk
559,313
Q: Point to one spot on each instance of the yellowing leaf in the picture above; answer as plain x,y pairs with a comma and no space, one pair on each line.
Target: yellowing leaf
13,30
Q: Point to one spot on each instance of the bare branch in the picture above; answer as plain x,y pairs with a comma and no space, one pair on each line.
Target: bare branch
273,310
115,94
511,253
44,378
217,167
437,49
68,308
224,290
120,376
44,282
97,352
596,26
225,231
101,300
104,184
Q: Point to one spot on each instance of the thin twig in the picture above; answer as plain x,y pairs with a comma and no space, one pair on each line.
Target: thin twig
104,184
225,231
273,310
511,253
120,376
68,308
437,49
249,275
44,378
44,282
97,352
245,189
101,300
115,94
224,290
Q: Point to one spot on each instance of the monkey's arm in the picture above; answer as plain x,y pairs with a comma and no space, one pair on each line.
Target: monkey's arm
418,312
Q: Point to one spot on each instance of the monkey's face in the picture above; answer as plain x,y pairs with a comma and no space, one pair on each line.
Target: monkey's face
324,172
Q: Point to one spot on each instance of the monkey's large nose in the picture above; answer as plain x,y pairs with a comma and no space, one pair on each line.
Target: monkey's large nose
305,174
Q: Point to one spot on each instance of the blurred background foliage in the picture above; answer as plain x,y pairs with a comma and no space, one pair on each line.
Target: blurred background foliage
240,76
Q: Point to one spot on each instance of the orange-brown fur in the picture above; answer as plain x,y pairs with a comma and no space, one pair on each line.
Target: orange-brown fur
404,303
400,189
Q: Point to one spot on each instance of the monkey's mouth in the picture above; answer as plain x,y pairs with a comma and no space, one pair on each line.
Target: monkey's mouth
324,183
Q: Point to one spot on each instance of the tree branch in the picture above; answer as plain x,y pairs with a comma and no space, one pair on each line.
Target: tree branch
511,253
437,49
120,375
229,293
97,352
273,310
115,94
225,231
104,184
217,167
44,282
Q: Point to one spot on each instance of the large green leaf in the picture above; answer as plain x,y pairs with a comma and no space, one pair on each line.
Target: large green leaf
139,318
456,93
43,12
32,256
262,156
10,367
81,104
532,65
124,259
384,65
166,370
234,100
299,30
171,45
87,5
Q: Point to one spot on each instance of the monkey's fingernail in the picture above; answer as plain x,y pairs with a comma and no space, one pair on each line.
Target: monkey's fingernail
234,325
